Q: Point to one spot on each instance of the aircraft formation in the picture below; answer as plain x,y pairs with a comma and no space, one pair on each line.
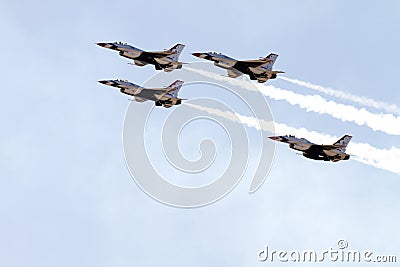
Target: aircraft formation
257,69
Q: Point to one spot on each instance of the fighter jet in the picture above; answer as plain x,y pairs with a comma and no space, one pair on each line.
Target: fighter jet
258,69
167,96
162,60
334,152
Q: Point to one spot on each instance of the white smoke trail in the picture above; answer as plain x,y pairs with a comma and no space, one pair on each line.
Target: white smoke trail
386,123
386,159
362,100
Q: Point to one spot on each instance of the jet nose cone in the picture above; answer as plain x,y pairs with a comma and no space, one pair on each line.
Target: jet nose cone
197,54
103,82
102,44
276,138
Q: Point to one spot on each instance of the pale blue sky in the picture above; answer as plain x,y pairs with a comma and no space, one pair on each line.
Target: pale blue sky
66,196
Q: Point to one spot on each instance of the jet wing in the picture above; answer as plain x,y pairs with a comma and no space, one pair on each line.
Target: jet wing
172,99
254,63
151,94
323,147
140,99
159,91
233,73
331,147
155,94
160,54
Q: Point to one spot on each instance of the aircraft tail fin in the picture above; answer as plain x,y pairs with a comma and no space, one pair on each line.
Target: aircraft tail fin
343,142
271,57
177,49
173,88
